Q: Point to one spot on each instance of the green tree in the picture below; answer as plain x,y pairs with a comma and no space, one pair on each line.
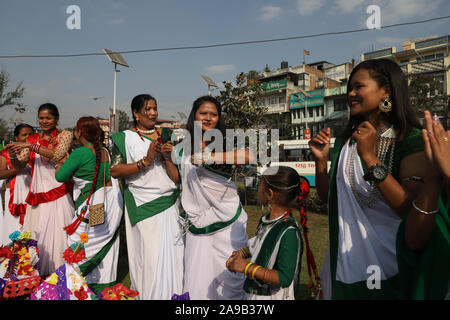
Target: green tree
240,103
9,98
427,94
123,118
422,89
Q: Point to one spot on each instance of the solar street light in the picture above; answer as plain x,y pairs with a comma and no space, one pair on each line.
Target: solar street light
117,59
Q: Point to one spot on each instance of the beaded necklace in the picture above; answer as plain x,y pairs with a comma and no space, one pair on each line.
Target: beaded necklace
386,138
144,132
266,223
149,131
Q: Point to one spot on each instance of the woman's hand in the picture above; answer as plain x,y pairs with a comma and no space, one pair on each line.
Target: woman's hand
64,158
366,136
437,146
16,147
197,159
166,151
236,263
153,150
320,145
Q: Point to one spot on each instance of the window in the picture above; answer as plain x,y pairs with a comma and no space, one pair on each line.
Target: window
340,104
272,100
310,112
282,100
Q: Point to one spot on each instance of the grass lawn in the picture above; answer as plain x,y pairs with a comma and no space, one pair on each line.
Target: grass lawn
318,238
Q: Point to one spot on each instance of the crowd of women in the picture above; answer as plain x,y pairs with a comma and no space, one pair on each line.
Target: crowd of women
387,193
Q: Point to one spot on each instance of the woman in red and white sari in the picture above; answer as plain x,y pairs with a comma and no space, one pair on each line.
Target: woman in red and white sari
17,186
50,202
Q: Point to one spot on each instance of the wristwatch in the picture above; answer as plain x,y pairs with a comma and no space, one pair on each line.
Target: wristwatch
376,173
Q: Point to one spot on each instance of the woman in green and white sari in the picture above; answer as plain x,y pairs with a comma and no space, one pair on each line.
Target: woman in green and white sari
88,165
215,219
152,209
376,168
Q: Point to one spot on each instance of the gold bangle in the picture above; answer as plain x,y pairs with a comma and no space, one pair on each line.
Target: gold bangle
246,252
246,268
143,162
254,271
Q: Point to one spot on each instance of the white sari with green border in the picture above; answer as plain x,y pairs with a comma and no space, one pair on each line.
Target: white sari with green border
153,224
217,227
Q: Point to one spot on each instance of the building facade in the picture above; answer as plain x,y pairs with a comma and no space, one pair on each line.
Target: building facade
425,56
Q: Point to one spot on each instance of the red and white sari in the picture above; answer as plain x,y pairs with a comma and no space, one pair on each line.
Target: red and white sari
50,202
17,188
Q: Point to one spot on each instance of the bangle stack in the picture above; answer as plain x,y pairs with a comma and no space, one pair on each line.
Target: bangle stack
245,253
422,211
34,148
141,164
250,270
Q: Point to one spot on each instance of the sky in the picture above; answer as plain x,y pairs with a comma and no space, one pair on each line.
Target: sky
173,77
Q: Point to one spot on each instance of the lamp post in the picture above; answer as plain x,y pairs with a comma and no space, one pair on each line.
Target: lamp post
117,59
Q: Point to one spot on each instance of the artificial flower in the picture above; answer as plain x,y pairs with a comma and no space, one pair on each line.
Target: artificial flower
53,279
5,252
84,237
14,236
26,235
80,294
72,255
119,292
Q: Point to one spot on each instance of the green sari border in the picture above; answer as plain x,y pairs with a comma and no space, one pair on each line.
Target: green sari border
213,227
149,209
92,263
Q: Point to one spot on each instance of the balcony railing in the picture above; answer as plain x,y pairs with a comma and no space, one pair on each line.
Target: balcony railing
428,66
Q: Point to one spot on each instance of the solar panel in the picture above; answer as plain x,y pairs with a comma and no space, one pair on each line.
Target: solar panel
209,81
115,57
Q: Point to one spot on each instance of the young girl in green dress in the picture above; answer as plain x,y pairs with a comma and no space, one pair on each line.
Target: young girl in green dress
272,260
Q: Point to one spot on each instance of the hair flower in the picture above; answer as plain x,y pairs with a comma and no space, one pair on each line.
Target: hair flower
304,188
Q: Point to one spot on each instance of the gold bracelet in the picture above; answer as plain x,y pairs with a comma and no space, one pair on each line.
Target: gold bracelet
245,252
254,271
143,162
246,268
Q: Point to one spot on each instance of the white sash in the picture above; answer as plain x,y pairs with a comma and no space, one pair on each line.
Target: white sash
367,235
207,197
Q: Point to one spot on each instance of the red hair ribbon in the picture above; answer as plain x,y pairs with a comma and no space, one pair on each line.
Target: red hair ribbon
310,261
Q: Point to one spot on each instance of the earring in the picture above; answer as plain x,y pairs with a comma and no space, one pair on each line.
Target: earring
385,105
